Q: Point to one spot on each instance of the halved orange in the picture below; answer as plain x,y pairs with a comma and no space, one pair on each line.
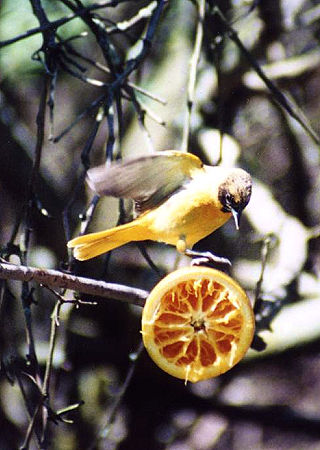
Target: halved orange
197,323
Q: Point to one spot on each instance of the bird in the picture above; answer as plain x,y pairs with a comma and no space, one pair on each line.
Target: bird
178,200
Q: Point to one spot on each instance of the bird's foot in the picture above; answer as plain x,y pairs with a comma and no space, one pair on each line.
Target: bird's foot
202,258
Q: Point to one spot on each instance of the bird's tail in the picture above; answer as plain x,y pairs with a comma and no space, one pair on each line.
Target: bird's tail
90,245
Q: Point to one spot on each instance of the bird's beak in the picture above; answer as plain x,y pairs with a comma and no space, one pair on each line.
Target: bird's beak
236,217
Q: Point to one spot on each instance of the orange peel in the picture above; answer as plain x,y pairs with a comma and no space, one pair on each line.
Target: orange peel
197,323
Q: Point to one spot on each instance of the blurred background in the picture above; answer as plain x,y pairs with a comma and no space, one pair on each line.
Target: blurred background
112,79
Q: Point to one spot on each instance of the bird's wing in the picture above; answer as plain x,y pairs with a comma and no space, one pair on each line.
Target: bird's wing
148,180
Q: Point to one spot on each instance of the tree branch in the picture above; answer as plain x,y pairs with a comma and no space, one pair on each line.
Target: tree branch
56,279
195,58
54,25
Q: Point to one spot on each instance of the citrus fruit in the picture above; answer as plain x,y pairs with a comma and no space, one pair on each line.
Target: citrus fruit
197,323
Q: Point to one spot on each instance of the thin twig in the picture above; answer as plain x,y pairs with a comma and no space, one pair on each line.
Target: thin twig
99,31
109,114
148,258
52,342
66,216
35,167
264,256
89,214
141,116
83,78
30,412
143,13
279,97
30,429
51,103
104,432
26,295
216,56
54,25
133,64
95,104
193,73
105,69
49,362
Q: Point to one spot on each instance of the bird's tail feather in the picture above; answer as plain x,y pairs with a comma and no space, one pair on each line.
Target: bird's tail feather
90,245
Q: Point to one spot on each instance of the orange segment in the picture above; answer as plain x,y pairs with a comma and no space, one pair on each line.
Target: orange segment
197,323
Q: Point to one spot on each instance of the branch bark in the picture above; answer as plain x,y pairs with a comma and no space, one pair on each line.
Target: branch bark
56,279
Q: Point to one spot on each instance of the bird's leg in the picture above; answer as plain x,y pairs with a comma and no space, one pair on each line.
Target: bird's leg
205,258
200,257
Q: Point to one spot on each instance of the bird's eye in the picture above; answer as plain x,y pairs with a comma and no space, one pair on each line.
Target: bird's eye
228,199
227,202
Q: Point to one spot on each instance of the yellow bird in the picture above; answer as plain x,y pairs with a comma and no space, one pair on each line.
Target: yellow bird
178,200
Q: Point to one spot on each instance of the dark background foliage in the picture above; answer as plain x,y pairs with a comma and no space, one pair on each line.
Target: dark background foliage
113,81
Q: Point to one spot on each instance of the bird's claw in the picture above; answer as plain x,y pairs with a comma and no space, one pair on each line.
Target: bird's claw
202,258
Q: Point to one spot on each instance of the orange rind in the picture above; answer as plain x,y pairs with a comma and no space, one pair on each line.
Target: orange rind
197,323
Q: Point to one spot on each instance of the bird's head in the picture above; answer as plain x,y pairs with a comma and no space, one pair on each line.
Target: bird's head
234,193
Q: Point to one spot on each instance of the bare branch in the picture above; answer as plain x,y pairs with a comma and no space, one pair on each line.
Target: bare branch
193,73
278,96
105,431
56,279
58,23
